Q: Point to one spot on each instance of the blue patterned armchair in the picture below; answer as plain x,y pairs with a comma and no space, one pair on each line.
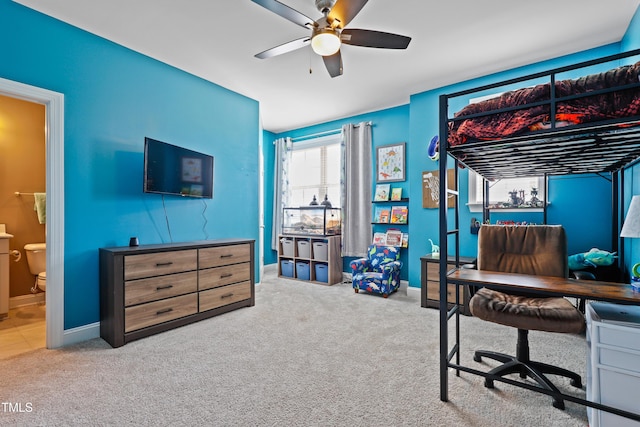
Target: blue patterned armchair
378,273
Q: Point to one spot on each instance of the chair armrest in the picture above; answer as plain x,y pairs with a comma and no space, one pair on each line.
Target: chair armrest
390,267
359,265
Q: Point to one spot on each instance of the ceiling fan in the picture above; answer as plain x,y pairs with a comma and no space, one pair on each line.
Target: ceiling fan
329,32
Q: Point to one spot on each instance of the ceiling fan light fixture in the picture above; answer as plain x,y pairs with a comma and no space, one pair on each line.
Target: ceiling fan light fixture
325,42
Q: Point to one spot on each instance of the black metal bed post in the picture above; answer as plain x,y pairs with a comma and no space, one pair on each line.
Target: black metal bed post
486,214
545,204
444,250
617,218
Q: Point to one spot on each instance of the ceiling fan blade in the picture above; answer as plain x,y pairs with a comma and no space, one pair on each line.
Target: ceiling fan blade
345,11
370,38
284,48
333,64
286,12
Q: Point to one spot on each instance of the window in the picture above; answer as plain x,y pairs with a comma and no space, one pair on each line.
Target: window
315,171
506,193
528,192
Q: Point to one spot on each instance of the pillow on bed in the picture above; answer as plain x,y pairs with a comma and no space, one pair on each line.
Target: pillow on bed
594,258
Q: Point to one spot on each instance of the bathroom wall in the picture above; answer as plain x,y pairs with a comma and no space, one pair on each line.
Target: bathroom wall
22,168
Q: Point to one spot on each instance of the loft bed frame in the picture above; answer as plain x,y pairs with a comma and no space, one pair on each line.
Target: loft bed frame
605,146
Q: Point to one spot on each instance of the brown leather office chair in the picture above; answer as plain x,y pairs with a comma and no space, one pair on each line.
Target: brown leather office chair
534,250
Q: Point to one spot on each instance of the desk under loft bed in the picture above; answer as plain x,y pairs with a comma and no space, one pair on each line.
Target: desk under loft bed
578,119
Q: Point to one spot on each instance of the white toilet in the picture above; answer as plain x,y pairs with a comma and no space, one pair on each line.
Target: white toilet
37,260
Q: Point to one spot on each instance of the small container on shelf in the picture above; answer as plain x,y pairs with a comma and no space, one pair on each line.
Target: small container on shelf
286,267
312,221
287,247
302,270
320,252
322,272
304,249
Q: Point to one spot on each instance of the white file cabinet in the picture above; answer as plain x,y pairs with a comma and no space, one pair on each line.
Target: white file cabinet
613,365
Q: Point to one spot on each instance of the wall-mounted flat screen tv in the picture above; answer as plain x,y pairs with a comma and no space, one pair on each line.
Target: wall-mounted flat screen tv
169,169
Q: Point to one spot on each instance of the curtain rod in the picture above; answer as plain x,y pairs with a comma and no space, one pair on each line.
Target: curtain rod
327,132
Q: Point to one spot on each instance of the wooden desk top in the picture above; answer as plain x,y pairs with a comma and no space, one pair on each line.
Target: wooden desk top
548,286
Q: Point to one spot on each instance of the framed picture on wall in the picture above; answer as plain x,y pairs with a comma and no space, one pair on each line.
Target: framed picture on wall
390,163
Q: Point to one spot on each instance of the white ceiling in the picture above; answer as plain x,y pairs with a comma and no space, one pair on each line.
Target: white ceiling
452,41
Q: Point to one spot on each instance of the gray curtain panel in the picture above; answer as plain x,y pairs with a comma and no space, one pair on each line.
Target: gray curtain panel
280,186
356,189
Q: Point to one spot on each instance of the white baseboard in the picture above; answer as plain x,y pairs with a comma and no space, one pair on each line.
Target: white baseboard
23,300
81,333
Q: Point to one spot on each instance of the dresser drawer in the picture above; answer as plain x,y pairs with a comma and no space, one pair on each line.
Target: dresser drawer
624,338
619,390
154,288
433,292
217,297
224,255
620,359
433,272
152,313
159,263
220,276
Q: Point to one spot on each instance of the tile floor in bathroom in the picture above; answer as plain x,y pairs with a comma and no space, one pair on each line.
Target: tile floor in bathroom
23,330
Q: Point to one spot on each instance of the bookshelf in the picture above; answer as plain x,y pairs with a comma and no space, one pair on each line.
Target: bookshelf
390,221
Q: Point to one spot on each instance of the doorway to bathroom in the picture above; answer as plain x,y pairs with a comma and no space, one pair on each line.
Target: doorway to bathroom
23,165
53,103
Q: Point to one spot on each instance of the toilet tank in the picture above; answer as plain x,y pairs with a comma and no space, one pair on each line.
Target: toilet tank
36,257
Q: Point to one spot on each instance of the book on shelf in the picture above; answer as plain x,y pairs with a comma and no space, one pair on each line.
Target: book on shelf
394,237
405,240
382,192
396,194
381,214
380,239
399,215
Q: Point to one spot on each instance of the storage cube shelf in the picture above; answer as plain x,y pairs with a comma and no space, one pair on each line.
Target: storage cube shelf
311,259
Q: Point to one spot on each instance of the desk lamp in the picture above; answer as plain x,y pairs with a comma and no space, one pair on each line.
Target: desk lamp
631,228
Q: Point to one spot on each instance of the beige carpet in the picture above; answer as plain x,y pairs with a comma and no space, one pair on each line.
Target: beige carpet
305,355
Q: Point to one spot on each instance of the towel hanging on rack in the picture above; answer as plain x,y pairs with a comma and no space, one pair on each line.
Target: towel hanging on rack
40,206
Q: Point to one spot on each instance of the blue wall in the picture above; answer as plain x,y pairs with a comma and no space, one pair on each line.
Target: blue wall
115,97
389,126
590,195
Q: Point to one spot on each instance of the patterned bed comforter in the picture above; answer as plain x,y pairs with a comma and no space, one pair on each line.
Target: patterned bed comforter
612,105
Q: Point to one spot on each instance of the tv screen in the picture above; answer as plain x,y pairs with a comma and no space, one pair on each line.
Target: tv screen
169,169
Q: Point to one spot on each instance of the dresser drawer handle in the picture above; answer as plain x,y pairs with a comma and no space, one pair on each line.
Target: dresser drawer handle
163,264
166,310
229,295
224,276
226,256
159,288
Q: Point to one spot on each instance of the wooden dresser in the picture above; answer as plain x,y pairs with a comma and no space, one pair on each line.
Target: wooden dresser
430,283
149,289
